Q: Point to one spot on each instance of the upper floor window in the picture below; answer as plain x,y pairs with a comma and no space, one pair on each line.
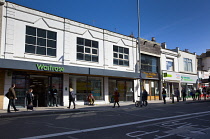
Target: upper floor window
148,63
120,56
40,41
169,64
188,64
87,50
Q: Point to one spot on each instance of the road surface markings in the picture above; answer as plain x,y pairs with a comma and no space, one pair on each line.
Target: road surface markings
112,126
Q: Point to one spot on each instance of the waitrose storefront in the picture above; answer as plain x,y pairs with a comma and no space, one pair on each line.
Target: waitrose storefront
42,76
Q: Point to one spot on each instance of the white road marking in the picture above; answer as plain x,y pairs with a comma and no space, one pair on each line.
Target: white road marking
112,126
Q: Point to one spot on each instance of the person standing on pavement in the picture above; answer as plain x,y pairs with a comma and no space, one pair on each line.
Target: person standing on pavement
164,95
177,94
12,97
71,97
198,94
144,97
184,94
116,97
29,97
53,93
204,92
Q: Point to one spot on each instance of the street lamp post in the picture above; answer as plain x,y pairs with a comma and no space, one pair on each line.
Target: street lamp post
139,48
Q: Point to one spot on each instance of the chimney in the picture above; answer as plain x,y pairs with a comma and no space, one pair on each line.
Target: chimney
186,50
153,39
163,45
2,2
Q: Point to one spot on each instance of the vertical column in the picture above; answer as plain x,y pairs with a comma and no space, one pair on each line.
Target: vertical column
106,89
65,89
2,76
10,25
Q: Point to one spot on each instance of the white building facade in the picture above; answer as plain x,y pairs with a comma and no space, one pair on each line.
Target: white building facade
170,71
39,50
179,70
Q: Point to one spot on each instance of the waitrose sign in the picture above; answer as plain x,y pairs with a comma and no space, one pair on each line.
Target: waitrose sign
49,68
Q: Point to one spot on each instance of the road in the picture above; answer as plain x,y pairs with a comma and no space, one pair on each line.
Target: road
180,120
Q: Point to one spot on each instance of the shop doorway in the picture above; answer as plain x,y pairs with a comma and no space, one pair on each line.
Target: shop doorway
39,84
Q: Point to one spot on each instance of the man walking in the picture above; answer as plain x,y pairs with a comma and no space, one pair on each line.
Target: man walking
12,97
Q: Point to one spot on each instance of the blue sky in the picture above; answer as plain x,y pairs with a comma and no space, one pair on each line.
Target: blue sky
179,23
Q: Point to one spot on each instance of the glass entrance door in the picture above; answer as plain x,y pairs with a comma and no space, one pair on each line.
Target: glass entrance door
39,84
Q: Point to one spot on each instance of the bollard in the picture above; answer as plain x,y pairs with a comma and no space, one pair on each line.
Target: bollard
172,98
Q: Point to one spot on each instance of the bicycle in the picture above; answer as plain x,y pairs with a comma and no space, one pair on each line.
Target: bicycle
141,103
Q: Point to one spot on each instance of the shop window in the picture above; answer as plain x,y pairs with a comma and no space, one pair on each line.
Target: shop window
40,41
120,56
84,85
87,50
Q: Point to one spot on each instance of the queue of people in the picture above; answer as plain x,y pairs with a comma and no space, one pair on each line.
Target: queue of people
194,94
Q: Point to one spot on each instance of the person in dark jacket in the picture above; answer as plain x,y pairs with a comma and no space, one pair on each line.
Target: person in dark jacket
71,98
54,93
12,97
164,95
116,97
29,96
184,94
144,97
177,94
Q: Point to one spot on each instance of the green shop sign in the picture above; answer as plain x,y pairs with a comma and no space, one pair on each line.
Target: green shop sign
49,68
186,78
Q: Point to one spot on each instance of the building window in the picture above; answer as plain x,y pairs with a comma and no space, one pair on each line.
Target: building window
188,64
87,50
169,64
40,41
148,63
120,56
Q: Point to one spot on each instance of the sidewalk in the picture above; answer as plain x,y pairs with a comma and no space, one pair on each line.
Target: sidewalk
85,108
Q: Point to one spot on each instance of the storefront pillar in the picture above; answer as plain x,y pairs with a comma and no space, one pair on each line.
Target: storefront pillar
7,85
65,89
106,89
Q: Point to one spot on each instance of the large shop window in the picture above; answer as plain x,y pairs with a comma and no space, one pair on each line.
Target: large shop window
149,63
87,50
120,56
125,88
40,41
188,64
83,85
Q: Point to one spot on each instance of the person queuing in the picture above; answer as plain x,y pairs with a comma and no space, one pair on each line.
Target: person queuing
204,92
184,94
12,97
177,94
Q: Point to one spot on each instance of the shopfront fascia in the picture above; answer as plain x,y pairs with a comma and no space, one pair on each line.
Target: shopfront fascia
96,79
151,82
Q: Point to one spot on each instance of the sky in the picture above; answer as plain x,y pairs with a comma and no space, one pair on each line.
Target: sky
179,23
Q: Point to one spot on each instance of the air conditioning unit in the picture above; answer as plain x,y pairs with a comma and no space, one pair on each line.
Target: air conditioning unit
2,2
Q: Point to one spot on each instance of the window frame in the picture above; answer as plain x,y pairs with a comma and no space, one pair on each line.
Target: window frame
88,50
120,56
45,42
